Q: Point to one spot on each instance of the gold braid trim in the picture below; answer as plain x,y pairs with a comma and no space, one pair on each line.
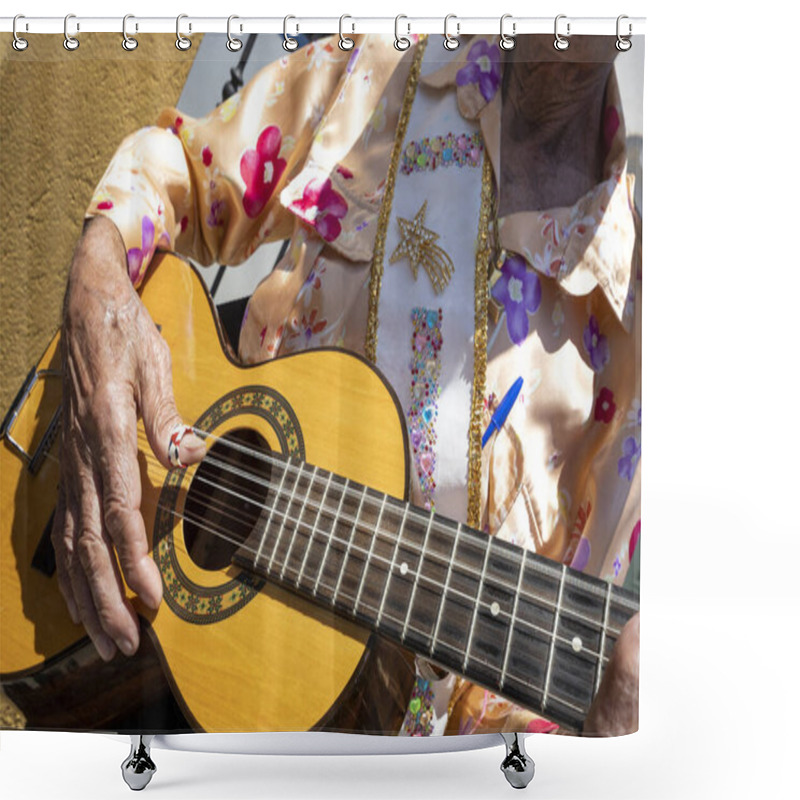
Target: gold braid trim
376,271
483,257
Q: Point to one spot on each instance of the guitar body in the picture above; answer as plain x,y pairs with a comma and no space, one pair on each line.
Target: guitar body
240,653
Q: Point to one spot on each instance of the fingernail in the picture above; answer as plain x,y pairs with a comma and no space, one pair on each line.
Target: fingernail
126,645
105,647
192,447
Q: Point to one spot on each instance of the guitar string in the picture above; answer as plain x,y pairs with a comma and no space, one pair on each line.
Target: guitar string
349,547
472,660
466,570
515,553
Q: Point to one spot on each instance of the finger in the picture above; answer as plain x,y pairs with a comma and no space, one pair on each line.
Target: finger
157,405
61,537
122,493
115,616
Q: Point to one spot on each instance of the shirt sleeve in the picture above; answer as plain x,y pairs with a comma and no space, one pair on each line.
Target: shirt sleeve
209,188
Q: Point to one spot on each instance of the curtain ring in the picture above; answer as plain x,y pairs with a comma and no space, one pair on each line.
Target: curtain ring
18,43
233,44
623,42
450,42
345,42
182,43
70,42
128,42
401,42
507,42
561,43
289,44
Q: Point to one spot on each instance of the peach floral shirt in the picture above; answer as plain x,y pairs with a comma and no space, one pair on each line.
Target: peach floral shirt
302,153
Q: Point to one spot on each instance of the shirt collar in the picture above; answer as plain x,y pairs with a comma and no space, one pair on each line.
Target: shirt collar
587,245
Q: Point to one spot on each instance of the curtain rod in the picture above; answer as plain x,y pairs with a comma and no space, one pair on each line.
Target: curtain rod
189,24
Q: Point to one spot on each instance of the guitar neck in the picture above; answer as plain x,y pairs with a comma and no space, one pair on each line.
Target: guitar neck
521,625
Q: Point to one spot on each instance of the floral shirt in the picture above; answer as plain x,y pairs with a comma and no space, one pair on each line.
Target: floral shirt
304,153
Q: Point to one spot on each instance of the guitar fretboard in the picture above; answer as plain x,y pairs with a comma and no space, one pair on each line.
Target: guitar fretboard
517,623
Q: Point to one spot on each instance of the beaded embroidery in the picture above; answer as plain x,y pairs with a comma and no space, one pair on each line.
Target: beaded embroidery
426,367
419,716
442,151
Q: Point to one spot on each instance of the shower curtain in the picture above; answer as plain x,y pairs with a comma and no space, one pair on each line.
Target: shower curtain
321,375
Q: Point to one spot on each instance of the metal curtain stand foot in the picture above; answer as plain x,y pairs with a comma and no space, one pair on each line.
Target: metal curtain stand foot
138,768
517,766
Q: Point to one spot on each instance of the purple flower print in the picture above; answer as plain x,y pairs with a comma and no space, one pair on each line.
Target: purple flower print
520,293
596,345
482,67
631,451
137,256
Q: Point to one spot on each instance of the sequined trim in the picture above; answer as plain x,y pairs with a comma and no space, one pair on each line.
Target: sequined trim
483,258
423,410
376,272
419,716
442,151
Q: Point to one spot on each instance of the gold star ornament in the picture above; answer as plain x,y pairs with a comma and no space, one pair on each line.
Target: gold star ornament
418,245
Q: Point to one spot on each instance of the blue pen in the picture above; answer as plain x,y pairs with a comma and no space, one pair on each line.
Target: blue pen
500,415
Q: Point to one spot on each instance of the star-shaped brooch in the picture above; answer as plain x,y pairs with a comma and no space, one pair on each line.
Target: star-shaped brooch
418,245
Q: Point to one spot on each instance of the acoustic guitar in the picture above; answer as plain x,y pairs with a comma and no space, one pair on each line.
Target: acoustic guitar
289,551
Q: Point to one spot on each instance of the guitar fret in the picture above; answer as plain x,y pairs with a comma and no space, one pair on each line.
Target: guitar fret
513,621
553,639
369,554
331,535
285,519
444,592
477,603
271,514
299,520
314,529
348,546
391,566
603,639
419,577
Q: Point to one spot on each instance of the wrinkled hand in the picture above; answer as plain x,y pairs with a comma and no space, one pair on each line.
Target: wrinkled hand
116,367
615,710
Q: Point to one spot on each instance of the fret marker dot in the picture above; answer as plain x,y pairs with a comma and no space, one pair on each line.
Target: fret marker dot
404,568
577,644
495,608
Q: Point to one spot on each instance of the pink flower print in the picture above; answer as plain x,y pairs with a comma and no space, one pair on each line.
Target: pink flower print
184,223
137,256
605,406
207,156
261,169
321,207
541,726
637,529
596,345
309,326
106,205
344,172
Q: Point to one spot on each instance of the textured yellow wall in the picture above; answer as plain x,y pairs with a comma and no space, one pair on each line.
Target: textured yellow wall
62,115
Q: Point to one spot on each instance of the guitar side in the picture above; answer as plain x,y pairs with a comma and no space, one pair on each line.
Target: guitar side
235,665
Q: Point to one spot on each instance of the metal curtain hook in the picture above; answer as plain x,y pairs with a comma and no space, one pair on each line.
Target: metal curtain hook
507,42
450,42
233,44
128,42
345,43
289,43
18,43
70,42
623,42
401,42
561,43
182,43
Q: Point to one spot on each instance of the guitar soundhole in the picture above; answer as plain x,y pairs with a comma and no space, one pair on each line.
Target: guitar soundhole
226,498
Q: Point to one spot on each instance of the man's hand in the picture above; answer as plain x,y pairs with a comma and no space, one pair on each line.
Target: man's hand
116,367
615,710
